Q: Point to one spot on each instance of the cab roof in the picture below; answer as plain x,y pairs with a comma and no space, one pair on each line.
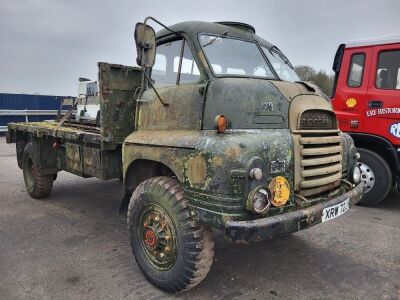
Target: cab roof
392,39
229,29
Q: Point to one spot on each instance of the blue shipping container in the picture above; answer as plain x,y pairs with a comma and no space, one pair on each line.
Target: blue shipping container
31,102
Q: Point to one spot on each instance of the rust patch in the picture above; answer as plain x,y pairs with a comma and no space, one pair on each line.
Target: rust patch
196,170
217,161
233,152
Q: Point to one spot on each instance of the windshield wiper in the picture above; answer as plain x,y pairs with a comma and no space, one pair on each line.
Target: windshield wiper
215,39
279,52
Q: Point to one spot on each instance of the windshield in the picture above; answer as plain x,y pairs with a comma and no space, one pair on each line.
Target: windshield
281,65
228,56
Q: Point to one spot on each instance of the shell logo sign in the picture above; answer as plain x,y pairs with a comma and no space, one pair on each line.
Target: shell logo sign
351,102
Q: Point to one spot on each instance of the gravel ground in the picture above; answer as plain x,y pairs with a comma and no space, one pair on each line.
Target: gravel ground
74,245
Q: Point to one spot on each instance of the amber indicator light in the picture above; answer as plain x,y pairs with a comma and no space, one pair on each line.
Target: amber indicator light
221,123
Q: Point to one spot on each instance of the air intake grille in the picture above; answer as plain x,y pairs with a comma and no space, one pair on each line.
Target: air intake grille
318,119
321,161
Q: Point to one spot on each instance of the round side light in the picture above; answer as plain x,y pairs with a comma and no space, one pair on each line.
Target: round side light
356,175
256,174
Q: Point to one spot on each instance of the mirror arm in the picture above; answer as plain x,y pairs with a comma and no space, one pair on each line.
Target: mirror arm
155,91
159,23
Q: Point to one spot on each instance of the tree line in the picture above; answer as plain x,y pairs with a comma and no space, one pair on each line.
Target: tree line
320,78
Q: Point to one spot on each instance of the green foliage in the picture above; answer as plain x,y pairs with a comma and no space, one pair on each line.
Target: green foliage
320,78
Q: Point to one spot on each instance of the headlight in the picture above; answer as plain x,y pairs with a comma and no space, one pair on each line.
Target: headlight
356,175
258,201
276,194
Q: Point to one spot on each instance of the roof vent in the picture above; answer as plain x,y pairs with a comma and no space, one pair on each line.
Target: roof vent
238,25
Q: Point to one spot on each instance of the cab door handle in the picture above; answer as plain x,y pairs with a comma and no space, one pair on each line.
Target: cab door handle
375,104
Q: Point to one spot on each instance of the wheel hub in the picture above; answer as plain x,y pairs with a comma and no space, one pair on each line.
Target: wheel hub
367,176
158,237
150,238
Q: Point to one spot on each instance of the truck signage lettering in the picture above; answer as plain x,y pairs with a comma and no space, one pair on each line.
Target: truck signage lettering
383,111
267,106
395,129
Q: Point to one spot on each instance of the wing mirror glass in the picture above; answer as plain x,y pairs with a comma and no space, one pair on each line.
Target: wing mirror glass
145,38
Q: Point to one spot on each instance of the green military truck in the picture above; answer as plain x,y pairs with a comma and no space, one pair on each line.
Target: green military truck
214,131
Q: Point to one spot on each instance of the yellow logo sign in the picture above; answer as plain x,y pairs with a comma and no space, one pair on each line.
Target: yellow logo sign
280,191
351,102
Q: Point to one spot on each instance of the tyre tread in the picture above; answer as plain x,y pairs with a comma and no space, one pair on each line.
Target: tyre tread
198,240
43,184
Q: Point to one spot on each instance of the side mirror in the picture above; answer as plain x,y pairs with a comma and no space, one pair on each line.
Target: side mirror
145,38
337,62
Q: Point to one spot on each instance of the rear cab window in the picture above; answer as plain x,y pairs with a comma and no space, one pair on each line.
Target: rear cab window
356,70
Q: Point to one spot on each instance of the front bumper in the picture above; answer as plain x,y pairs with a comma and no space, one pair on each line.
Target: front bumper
270,227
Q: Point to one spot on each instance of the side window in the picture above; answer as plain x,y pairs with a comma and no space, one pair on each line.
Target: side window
398,79
168,61
189,71
387,72
165,69
356,70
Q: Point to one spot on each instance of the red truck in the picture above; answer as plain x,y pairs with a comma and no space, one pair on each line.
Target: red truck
366,99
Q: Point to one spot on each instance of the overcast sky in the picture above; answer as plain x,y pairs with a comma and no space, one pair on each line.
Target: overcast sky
45,45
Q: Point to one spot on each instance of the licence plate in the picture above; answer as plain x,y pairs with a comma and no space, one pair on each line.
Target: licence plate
334,211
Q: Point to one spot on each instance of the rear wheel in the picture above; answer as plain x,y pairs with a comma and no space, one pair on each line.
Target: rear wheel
376,175
37,185
171,248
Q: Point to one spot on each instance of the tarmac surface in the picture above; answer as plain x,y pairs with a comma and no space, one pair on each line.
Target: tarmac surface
74,245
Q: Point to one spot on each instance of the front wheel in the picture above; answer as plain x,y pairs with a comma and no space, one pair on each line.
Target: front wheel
376,175
171,248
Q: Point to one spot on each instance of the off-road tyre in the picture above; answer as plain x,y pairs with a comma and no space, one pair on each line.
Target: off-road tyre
194,246
382,176
37,185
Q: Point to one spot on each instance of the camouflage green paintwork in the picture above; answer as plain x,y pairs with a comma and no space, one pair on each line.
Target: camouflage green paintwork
118,86
212,167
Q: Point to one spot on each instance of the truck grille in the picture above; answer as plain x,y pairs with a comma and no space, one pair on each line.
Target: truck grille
317,119
319,168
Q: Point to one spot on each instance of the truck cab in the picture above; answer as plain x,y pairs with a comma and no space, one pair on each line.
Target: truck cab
366,101
256,152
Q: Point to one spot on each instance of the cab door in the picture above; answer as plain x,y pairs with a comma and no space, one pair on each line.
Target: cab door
383,99
180,85
351,91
